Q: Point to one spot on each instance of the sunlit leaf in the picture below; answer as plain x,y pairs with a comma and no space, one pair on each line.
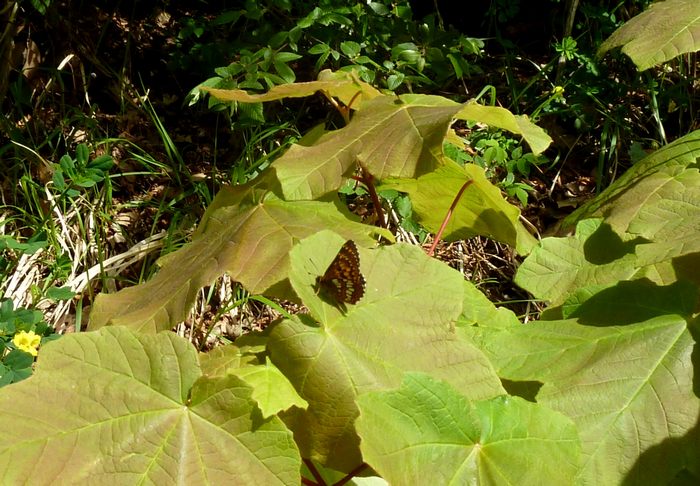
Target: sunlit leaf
134,409
665,30
427,429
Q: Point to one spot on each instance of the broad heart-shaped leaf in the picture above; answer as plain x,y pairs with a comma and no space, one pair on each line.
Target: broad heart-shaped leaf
663,31
390,136
595,255
481,210
403,323
246,232
113,407
629,389
498,117
670,172
426,429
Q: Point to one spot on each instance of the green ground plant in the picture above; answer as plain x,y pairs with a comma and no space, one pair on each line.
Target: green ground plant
22,331
421,377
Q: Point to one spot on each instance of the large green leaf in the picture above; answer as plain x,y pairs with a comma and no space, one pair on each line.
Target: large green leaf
629,389
481,210
664,31
426,429
652,219
397,137
635,195
404,322
246,232
594,255
391,136
112,407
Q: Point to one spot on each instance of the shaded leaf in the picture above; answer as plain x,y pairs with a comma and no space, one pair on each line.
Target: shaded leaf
559,266
628,302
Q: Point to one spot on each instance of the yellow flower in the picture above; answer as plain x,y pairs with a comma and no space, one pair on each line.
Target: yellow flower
27,342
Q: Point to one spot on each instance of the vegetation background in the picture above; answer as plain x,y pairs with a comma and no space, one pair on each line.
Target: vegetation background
115,154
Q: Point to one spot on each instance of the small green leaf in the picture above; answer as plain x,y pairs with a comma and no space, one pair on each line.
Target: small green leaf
67,163
407,52
286,73
40,5
350,48
319,49
60,293
379,8
18,359
102,163
394,81
82,154
285,57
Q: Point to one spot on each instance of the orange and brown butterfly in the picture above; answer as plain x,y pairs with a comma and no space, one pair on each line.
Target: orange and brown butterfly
343,280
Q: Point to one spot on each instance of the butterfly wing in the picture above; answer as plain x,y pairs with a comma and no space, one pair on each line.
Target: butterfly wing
343,280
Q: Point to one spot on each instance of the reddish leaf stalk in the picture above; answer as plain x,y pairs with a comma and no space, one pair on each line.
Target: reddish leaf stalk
343,110
368,180
438,235
351,474
315,473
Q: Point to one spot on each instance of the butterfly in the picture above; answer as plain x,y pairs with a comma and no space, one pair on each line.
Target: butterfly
343,280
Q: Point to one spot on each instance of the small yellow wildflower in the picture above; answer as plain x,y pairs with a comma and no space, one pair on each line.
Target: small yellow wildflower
27,342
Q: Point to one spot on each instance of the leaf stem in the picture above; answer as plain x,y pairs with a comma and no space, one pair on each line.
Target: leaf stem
351,474
438,235
368,180
317,475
